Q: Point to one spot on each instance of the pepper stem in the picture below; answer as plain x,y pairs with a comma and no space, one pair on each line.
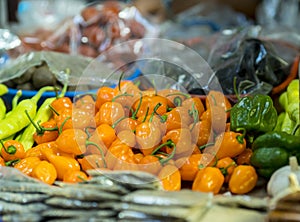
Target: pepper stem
39,94
16,98
205,145
12,162
118,121
169,143
36,126
10,150
120,80
195,115
145,117
154,111
120,95
133,116
54,110
235,88
224,170
177,101
63,123
187,96
240,138
100,150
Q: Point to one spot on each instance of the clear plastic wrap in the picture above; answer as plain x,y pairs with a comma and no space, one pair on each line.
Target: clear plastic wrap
195,26
94,30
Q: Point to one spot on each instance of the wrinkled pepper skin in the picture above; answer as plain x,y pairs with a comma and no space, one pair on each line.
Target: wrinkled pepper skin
254,114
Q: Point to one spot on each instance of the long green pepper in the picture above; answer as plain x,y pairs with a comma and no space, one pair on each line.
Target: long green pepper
18,120
3,91
43,114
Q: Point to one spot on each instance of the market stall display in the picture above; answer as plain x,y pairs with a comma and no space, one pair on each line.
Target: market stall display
146,129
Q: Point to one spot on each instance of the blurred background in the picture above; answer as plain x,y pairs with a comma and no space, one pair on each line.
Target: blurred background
244,38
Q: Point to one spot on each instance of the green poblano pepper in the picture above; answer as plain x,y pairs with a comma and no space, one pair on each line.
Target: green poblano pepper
254,114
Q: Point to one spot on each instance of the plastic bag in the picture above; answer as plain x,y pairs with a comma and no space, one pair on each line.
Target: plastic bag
274,13
194,27
256,63
94,30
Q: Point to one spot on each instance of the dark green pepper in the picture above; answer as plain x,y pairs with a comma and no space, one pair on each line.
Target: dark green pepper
266,172
281,139
269,159
255,114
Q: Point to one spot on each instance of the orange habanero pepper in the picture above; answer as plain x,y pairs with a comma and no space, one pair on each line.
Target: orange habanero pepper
12,150
243,179
109,113
208,179
72,141
226,165
150,164
62,164
104,94
75,176
229,144
45,172
170,178
27,165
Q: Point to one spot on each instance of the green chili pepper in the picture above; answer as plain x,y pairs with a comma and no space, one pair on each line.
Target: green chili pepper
18,120
14,102
2,109
266,172
283,100
3,91
287,125
269,159
284,140
43,114
293,91
279,122
255,114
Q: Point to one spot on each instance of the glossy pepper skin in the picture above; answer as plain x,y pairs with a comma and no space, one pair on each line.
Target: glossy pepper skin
254,114
268,159
18,119
281,139
243,179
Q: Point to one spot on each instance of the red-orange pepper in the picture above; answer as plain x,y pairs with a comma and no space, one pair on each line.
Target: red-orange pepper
48,132
244,157
12,150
